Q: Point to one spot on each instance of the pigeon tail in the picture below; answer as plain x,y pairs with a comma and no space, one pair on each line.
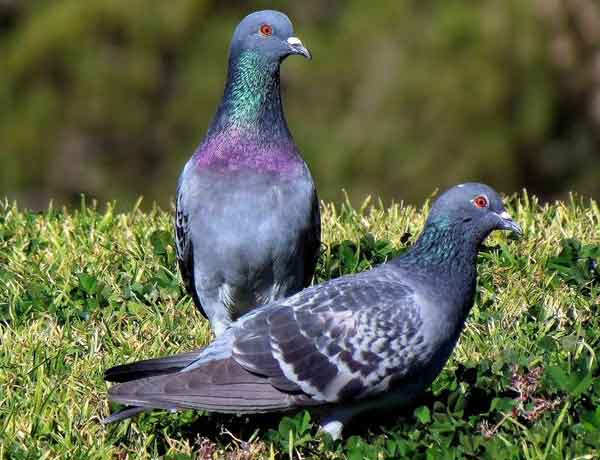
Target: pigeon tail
123,414
150,367
219,386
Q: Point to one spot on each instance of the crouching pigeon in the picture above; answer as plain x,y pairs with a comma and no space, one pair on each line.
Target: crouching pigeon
356,343
247,221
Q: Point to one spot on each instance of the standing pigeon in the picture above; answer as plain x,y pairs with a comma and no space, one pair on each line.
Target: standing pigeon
247,222
356,343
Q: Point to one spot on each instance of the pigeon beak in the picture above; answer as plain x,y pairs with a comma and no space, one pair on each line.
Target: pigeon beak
296,47
507,223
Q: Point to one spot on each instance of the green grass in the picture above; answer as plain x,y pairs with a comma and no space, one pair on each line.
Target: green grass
86,289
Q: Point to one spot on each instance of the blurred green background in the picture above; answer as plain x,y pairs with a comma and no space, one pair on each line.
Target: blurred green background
110,97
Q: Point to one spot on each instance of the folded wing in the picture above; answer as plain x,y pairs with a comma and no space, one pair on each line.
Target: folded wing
343,340
185,248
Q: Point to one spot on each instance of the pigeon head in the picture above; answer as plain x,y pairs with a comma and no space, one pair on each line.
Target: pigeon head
475,210
458,223
269,34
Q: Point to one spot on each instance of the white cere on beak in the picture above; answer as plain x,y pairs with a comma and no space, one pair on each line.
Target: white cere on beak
505,215
294,41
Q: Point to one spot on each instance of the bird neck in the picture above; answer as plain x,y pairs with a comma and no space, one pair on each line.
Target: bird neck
447,254
252,99
249,130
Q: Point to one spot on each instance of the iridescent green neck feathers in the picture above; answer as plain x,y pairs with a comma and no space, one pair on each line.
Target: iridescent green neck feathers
252,99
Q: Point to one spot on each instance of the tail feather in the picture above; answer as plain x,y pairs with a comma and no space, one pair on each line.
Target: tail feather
150,367
122,415
217,386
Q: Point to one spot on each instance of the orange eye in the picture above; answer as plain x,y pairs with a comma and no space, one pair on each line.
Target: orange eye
481,201
266,30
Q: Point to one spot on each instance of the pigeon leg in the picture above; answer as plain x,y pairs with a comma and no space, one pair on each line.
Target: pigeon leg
337,418
335,421
219,326
217,314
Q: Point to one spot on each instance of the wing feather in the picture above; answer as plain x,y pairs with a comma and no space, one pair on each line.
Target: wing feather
312,240
338,341
222,386
185,248
150,367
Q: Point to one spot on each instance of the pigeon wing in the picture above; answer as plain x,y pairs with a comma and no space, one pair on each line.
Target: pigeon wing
312,241
184,247
342,340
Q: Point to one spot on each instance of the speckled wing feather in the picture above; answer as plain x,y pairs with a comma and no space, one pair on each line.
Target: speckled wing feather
185,248
343,340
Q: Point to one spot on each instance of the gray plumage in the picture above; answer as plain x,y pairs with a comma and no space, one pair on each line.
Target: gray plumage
247,220
355,343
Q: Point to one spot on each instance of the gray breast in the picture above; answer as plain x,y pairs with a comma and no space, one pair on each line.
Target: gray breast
249,235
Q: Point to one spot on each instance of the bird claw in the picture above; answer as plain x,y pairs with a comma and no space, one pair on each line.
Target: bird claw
334,428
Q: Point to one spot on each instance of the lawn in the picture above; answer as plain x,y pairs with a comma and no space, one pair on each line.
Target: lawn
85,289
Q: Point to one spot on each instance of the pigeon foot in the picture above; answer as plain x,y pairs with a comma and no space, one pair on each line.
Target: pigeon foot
333,427
334,422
